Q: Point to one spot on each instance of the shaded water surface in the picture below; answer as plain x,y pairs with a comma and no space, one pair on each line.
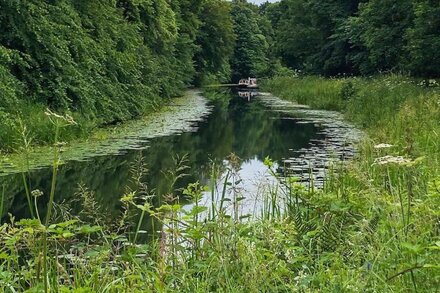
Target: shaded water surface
238,123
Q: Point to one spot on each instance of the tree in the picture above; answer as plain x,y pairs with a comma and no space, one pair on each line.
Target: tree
297,38
250,54
423,40
310,34
216,42
380,29
329,17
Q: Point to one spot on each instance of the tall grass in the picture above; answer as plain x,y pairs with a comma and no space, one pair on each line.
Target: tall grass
393,184
33,116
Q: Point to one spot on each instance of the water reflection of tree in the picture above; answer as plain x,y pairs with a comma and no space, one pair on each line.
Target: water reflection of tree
247,129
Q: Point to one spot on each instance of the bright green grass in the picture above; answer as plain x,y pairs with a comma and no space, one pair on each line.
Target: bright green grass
31,119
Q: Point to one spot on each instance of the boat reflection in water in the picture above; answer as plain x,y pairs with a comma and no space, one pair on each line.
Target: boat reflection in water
247,94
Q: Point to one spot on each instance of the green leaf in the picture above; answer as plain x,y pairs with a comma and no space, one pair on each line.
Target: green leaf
34,223
68,234
4,255
87,229
412,248
67,223
431,266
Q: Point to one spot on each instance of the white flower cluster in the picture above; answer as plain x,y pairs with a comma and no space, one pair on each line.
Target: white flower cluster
290,256
383,146
301,276
36,193
67,119
429,82
432,82
386,160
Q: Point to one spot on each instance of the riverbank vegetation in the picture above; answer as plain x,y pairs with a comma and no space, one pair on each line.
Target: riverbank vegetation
397,169
374,227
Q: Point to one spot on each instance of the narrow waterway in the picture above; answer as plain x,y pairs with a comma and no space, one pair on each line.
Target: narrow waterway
248,125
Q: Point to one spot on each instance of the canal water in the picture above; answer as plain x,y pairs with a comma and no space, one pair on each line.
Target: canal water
249,125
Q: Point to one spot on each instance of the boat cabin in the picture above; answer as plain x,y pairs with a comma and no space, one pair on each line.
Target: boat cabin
248,82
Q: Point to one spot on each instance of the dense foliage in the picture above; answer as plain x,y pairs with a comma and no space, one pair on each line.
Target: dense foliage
392,188
216,41
109,61
251,48
357,37
104,61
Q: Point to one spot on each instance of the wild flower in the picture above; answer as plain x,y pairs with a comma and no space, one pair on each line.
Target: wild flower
300,277
387,160
429,83
290,256
432,83
383,146
67,119
36,193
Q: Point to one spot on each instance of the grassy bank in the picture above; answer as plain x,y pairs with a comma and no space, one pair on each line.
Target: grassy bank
30,122
391,109
374,228
396,175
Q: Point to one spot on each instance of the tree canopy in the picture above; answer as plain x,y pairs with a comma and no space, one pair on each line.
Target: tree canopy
333,37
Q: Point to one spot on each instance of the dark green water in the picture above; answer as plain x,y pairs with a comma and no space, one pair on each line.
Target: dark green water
236,125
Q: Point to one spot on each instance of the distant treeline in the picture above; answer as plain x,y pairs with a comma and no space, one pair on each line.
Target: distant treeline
111,60
333,37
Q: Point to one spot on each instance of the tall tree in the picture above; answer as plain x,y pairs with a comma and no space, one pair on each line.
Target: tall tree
334,51
250,54
380,29
297,38
310,34
188,23
216,42
424,40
